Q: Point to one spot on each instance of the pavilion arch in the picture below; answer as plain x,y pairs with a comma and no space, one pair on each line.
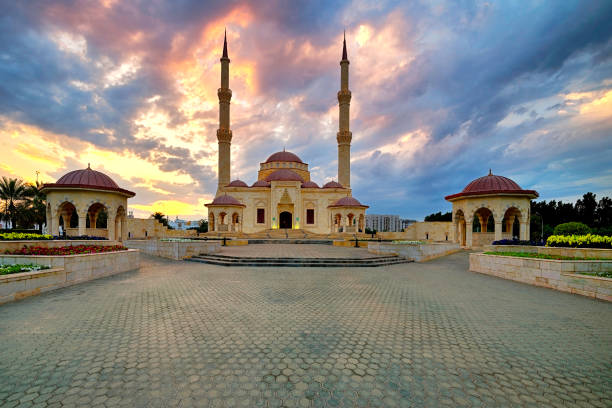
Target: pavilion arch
211,221
120,221
65,215
361,223
236,222
512,223
337,222
460,227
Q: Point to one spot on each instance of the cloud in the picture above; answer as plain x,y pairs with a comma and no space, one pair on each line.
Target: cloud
441,93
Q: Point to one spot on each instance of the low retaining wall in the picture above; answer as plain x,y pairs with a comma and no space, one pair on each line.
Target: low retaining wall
51,243
548,273
362,244
418,253
174,250
65,271
572,252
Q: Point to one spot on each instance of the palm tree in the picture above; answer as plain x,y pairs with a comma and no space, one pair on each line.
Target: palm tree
12,191
34,205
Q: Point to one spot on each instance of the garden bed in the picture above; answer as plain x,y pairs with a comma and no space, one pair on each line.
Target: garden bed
20,268
63,271
542,256
67,250
581,253
11,246
567,275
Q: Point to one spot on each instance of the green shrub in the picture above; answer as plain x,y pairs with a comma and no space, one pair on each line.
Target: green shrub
19,236
579,241
572,228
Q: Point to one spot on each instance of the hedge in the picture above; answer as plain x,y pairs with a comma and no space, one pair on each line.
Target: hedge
580,241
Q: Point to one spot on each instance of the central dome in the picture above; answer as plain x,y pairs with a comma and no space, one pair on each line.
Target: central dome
284,175
492,184
87,177
284,157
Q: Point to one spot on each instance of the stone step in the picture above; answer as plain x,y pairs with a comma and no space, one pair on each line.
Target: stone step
225,260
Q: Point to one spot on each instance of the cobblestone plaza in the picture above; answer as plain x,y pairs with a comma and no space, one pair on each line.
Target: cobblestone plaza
189,334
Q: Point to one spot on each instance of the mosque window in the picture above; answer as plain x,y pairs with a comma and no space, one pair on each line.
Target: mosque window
261,216
310,216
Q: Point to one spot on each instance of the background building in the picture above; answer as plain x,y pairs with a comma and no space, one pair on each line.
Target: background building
383,222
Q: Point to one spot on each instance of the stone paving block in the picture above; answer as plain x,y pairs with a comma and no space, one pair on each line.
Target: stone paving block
187,334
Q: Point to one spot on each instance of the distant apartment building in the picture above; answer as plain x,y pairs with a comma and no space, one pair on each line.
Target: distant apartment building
179,224
383,222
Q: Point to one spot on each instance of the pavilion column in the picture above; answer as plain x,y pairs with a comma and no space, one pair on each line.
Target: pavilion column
498,230
54,224
123,229
523,235
468,237
82,224
92,219
110,226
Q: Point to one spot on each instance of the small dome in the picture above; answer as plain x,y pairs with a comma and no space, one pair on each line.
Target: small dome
348,202
310,184
284,157
284,175
493,184
332,184
226,200
237,183
261,183
87,179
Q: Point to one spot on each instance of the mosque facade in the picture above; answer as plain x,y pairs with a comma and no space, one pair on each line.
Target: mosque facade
284,196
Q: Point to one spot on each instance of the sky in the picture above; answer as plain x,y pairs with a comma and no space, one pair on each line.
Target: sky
443,91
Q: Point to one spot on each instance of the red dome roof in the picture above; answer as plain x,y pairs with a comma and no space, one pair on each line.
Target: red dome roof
237,183
284,157
310,184
89,179
492,184
261,183
348,202
332,184
226,200
284,175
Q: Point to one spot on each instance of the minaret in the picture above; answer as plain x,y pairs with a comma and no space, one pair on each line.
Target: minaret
344,134
224,134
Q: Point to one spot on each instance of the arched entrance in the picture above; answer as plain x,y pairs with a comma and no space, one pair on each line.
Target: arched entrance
285,220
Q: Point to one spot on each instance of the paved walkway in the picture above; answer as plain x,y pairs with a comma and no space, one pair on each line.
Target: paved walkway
190,334
296,251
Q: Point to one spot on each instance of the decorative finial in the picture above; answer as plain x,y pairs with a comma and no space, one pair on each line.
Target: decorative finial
344,57
490,173
225,44
88,166
283,148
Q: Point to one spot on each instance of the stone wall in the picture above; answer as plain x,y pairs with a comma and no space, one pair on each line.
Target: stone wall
418,253
143,228
65,271
571,252
422,231
174,250
553,274
15,245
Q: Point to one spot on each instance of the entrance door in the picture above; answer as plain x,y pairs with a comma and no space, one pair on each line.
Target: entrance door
285,220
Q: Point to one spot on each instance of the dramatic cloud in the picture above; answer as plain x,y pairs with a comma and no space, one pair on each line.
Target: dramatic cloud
442,91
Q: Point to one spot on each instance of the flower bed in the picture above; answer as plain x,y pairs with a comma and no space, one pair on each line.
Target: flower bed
580,241
21,236
19,268
67,250
542,256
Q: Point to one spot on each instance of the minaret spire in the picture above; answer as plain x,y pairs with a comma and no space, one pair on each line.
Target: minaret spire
224,133
344,135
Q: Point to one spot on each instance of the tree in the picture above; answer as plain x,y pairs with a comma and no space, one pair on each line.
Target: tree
572,228
203,226
161,218
603,214
12,191
448,216
34,211
586,208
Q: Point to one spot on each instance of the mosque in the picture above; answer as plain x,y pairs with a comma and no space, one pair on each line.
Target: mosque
284,196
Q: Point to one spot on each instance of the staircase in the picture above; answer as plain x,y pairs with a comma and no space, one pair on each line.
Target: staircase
226,260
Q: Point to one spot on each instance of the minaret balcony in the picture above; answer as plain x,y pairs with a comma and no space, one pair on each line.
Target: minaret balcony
344,96
225,94
224,135
344,137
